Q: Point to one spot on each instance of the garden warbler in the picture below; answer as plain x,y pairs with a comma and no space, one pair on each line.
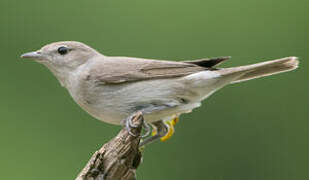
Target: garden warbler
113,88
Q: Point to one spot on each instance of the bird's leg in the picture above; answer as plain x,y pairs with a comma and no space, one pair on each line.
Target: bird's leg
147,129
129,125
162,130
171,128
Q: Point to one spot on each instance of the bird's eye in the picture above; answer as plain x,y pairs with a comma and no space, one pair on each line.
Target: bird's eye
63,50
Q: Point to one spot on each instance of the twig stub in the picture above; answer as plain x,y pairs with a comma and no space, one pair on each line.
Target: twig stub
119,158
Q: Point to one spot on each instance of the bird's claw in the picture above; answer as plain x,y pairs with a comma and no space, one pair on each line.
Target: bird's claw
170,129
162,130
129,125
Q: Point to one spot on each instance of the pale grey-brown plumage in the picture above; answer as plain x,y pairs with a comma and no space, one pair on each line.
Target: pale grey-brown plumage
112,88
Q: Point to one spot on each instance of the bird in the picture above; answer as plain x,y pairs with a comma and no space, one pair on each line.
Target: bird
112,88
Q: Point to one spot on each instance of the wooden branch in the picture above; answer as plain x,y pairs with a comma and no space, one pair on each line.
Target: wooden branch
119,158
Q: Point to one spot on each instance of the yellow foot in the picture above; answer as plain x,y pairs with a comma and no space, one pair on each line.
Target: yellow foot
170,129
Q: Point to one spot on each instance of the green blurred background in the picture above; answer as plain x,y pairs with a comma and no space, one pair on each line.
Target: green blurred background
257,130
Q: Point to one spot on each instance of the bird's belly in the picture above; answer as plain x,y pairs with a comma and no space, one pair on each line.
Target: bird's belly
112,116
103,113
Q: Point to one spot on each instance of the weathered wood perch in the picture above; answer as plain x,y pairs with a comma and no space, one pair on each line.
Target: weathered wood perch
119,158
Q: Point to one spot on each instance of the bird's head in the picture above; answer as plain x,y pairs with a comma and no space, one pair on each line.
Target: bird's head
62,55
63,58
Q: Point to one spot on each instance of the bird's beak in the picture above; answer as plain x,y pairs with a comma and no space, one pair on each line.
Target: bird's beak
32,55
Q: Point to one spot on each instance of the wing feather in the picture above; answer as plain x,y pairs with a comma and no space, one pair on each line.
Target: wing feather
114,70
209,62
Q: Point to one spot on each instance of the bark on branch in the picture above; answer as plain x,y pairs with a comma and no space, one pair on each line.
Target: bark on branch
119,158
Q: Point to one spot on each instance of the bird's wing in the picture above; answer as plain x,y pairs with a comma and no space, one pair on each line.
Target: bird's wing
114,70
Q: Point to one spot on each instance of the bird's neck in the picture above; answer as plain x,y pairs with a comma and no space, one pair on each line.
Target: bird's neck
63,74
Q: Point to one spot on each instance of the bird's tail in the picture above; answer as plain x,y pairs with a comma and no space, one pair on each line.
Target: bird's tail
244,73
